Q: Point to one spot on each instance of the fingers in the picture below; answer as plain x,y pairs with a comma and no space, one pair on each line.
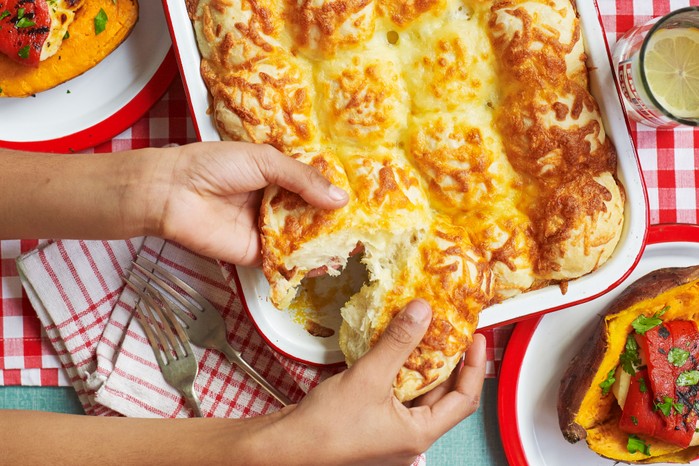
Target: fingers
300,178
396,343
436,394
464,399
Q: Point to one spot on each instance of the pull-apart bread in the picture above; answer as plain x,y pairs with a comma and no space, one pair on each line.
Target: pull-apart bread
474,155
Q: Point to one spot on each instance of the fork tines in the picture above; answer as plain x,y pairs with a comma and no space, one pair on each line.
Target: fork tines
167,338
203,323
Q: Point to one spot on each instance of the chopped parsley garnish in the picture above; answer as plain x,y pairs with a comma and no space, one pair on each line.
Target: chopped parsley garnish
635,445
4,14
100,21
630,358
606,385
666,406
66,35
24,22
634,420
642,323
688,378
642,385
24,52
20,13
677,356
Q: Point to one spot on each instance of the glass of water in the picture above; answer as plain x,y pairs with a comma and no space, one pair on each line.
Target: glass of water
657,65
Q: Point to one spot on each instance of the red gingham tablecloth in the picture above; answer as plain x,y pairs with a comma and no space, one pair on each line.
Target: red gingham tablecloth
669,158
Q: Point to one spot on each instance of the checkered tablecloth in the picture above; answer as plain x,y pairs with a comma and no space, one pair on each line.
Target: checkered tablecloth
670,162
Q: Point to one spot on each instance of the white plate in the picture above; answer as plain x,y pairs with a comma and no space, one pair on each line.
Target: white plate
102,102
274,324
537,356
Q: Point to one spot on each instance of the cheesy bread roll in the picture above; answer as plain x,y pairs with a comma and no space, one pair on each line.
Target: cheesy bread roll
474,156
556,136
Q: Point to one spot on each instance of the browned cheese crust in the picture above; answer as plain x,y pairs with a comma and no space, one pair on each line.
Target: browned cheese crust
463,130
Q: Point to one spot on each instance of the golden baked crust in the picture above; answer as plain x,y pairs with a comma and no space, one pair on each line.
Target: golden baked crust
474,155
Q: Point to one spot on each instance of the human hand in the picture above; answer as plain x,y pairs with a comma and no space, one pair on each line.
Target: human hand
354,417
210,201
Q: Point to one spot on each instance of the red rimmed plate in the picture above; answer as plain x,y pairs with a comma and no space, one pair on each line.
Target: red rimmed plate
540,349
287,339
101,103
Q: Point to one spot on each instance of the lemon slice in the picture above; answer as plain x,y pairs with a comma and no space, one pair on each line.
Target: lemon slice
672,70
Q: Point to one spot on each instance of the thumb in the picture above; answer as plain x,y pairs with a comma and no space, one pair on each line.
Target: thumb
398,340
302,179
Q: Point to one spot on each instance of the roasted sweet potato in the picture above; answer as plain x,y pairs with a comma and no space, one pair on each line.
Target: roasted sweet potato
80,51
585,411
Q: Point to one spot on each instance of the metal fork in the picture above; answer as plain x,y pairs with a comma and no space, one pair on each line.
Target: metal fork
176,359
202,322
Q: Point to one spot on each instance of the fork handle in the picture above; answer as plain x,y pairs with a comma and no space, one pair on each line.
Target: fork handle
193,400
236,358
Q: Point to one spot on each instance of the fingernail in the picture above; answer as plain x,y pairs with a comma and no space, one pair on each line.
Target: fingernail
418,310
337,194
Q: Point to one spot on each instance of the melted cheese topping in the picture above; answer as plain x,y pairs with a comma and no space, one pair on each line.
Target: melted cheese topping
474,155
62,14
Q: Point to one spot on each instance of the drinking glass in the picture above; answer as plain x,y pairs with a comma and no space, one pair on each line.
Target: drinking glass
648,71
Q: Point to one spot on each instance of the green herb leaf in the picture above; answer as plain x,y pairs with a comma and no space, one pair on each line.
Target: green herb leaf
667,406
24,52
688,378
630,358
635,445
100,21
66,35
642,323
642,385
20,13
24,23
606,385
4,14
677,356
634,420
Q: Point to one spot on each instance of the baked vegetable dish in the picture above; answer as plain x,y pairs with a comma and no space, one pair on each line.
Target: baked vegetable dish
474,154
633,390
44,43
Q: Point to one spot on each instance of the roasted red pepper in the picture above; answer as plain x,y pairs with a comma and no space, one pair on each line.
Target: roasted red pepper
639,415
24,27
667,410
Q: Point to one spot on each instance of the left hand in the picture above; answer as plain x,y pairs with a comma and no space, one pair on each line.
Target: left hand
354,417
210,202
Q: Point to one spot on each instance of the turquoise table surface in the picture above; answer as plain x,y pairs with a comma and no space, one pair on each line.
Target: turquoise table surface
475,441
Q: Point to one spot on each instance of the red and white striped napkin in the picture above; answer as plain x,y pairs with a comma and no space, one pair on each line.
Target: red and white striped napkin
77,291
